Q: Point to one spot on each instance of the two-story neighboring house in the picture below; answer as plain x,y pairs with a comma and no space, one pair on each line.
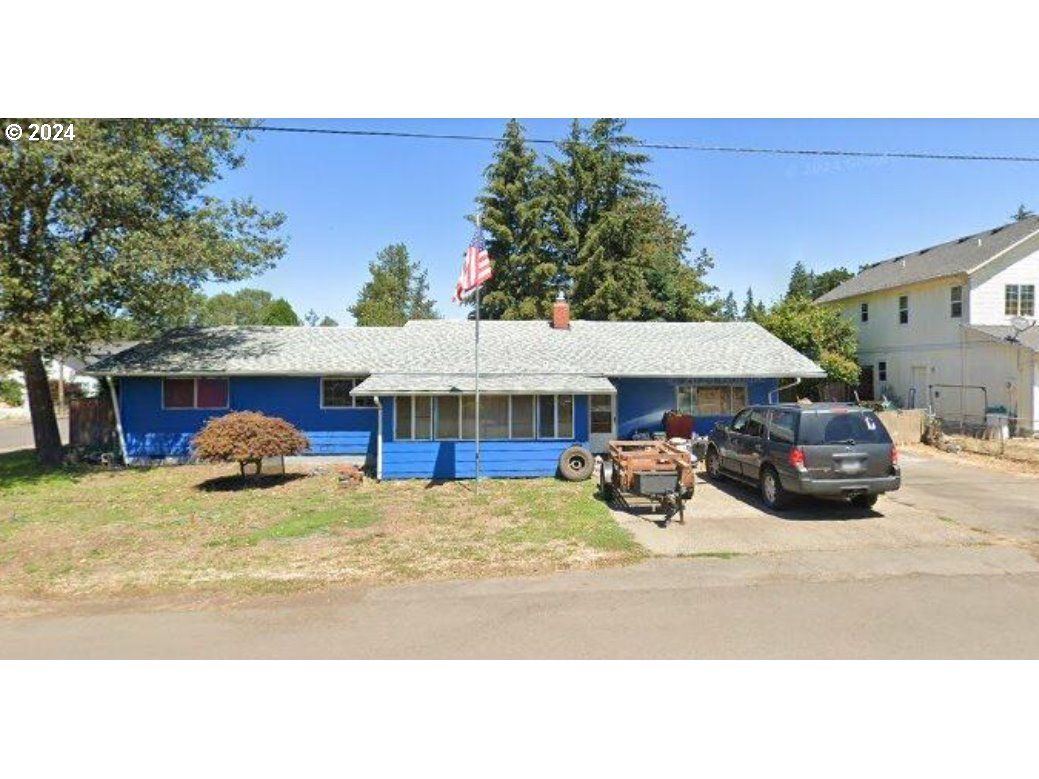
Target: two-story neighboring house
944,326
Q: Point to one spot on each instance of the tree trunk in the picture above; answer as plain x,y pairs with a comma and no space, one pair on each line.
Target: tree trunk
41,406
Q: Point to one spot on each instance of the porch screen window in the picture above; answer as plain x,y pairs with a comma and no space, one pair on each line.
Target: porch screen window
903,309
712,399
1020,300
522,416
565,416
546,416
335,393
956,302
423,413
194,393
448,419
404,419
494,416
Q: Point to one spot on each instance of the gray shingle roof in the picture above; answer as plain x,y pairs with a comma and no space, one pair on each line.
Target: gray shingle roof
947,259
694,349
440,383
1029,338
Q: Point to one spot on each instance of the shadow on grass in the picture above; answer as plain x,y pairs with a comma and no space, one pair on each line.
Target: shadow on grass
236,483
20,469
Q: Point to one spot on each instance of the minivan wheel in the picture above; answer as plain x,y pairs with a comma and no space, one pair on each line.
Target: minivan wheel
772,492
864,501
714,465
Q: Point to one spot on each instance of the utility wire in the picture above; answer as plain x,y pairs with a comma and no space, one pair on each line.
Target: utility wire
905,155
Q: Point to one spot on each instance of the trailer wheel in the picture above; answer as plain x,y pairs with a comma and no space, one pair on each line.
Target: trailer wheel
576,463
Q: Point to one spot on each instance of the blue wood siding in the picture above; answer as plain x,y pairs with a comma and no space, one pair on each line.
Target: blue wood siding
641,403
152,432
457,459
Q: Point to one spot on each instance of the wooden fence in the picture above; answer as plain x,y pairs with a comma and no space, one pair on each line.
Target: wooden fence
906,427
92,422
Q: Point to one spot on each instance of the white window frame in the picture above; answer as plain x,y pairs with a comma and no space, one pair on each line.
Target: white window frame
432,418
356,379
956,289
863,313
732,399
900,309
881,371
436,418
534,416
435,426
194,396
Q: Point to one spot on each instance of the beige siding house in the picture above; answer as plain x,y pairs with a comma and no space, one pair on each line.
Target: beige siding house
950,326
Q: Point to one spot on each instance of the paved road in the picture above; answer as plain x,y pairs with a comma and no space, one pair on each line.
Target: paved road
19,436
676,608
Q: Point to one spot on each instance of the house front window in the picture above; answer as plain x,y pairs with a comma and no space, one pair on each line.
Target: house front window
1020,300
956,302
711,400
198,393
903,310
864,312
335,393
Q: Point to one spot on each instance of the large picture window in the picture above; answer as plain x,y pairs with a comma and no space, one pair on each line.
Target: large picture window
335,393
502,417
194,393
710,400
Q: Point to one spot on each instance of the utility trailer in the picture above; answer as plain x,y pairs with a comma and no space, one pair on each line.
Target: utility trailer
656,470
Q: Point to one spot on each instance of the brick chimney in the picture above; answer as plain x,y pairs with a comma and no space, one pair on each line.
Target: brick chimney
561,313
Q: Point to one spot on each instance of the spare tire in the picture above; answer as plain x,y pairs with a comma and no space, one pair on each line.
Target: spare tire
576,463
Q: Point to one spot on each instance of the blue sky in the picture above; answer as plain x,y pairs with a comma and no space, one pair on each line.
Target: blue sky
346,197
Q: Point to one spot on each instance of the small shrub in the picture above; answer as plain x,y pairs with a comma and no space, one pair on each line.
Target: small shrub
10,392
246,437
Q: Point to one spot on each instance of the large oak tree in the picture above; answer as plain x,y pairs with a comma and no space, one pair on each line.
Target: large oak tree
114,223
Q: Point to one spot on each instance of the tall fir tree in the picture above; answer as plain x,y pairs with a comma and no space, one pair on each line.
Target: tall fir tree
1022,213
513,206
730,310
801,282
749,307
397,291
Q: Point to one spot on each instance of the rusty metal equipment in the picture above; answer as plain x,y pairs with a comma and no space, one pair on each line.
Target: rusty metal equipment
656,470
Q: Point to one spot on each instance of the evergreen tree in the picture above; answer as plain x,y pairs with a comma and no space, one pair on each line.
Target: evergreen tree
397,291
279,312
513,207
311,318
801,283
327,321
749,308
1022,213
730,310
827,280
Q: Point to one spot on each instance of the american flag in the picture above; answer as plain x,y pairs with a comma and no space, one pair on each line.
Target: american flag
476,270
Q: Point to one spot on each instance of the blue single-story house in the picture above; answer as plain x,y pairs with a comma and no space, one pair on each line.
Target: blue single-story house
402,398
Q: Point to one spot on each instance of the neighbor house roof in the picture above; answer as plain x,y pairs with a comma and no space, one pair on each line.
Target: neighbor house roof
445,347
952,258
1028,338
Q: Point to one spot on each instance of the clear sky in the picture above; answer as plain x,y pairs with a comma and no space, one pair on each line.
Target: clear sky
346,197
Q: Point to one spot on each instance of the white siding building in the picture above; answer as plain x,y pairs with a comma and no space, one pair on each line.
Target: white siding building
944,326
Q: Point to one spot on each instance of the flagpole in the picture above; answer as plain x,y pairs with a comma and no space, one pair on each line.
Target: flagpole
476,485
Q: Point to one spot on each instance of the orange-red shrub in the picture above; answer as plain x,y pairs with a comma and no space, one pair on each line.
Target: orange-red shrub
246,437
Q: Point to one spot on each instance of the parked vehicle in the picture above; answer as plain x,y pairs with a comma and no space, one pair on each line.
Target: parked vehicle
831,450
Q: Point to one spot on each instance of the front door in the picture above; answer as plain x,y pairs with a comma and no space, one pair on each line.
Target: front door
602,421
919,397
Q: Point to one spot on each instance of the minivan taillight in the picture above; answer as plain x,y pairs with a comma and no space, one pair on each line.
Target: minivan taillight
894,454
796,458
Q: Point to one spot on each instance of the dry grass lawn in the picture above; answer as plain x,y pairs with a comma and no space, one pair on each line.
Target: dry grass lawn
97,533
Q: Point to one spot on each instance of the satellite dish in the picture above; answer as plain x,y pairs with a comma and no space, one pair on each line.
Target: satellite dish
1020,324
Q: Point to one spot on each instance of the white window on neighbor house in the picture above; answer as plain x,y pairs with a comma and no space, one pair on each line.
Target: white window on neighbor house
710,400
956,302
882,371
335,393
864,312
903,309
1020,300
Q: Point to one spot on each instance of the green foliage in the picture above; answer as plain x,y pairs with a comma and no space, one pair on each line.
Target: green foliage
820,333
313,320
752,310
588,220
11,392
397,291
281,313
811,285
730,310
327,321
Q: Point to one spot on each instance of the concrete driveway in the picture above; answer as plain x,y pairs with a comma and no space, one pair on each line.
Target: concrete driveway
941,503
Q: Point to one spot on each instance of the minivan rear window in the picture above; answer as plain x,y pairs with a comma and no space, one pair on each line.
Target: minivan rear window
839,427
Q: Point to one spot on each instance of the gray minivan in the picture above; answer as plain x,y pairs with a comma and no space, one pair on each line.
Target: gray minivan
831,450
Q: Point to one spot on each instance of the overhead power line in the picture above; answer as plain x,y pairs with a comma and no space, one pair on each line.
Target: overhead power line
692,147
